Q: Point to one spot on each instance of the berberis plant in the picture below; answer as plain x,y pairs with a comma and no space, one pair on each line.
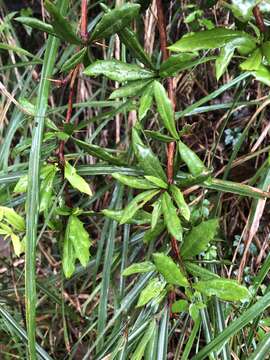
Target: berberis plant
119,220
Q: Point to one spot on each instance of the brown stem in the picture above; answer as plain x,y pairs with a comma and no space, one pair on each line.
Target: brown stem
84,33
259,19
165,54
170,89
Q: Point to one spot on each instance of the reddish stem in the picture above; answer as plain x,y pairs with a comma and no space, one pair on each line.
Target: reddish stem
165,55
259,19
84,33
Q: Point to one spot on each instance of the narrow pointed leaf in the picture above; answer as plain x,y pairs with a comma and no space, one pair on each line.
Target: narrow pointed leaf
180,201
169,270
212,39
130,39
199,237
152,234
191,159
137,203
171,218
98,152
235,188
146,101
115,20
225,289
174,64
151,291
36,24
223,60
74,60
134,182
132,89
138,268
61,26
253,62
156,181
139,218
118,70
199,271
146,158
165,109
76,180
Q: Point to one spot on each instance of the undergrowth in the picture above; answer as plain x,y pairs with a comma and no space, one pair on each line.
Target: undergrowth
134,178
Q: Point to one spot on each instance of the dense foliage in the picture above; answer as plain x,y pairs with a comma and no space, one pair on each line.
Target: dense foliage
122,125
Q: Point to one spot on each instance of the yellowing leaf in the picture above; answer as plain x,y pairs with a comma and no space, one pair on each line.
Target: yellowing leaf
76,180
152,290
76,245
136,268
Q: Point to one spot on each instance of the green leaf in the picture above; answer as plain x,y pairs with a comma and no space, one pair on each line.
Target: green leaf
266,50
156,213
223,60
80,239
262,349
146,158
225,289
134,182
61,26
68,255
213,39
146,101
199,271
17,50
180,201
118,70
115,20
21,185
130,39
74,60
153,289
140,349
139,218
234,327
98,152
136,203
46,189
235,188
199,237
165,109
171,218
152,234
18,245
262,75
12,218
191,159
76,180
174,64
253,62
36,24
136,268
181,66
169,270
132,89
76,245
180,306
156,135
156,181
